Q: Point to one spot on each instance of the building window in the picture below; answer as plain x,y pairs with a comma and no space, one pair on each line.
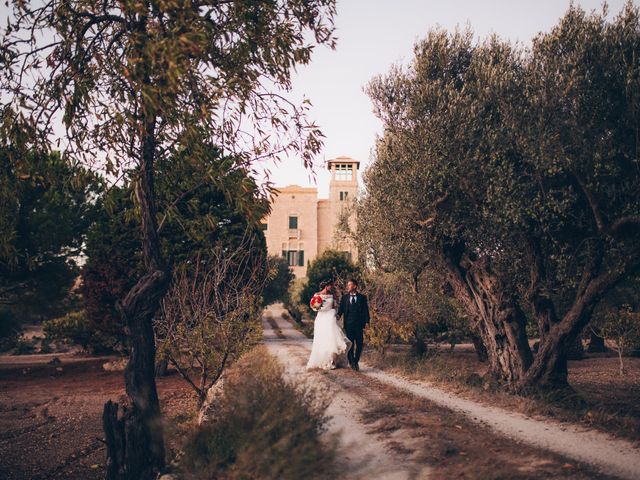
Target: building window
301,258
344,172
263,226
284,253
293,222
343,196
292,258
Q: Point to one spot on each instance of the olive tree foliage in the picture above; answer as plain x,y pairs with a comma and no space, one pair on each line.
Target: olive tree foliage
392,312
131,82
514,174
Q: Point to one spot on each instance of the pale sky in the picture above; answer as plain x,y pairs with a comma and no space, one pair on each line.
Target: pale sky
373,35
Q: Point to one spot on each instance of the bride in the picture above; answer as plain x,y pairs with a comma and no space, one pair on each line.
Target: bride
330,345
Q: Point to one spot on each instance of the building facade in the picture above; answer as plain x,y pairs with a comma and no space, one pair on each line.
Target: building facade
301,226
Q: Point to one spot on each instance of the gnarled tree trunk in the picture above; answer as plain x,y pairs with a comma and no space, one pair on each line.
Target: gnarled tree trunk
549,369
498,320
135,445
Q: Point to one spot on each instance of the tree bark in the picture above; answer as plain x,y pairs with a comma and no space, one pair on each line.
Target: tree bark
499,321
162,367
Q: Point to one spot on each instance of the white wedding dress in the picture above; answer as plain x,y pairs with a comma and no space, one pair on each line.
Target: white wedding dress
330,344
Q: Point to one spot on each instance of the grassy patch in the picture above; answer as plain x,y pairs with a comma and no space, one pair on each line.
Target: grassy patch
265,427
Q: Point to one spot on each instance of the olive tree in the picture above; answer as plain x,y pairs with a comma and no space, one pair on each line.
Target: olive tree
130,82
515,174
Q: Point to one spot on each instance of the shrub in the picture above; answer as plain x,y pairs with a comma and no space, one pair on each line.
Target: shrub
294,311
75,328
622,326
333,265
392,315
280,277
9,330
295,290
24,346
417,312
211,315
265,427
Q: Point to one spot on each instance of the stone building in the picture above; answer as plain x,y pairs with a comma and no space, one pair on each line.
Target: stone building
301,226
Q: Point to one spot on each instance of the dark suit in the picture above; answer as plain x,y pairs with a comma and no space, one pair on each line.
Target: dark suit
356,316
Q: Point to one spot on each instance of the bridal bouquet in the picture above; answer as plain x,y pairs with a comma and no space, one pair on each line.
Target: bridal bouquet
316,303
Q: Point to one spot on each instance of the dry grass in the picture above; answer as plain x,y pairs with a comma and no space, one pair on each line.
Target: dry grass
265,427
599,397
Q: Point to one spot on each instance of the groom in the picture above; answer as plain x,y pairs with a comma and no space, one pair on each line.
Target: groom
355,311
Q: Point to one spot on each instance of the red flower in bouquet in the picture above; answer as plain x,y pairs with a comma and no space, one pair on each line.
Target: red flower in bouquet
316,303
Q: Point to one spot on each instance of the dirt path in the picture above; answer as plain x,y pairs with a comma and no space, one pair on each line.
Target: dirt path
365,455
606,454
391,427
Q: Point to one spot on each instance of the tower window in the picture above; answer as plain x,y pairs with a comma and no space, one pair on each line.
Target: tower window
343,196
344,172
291,258
293,222
301,258
263,226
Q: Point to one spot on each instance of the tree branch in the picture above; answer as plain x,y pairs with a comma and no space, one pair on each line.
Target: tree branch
428,221
593,203
622,222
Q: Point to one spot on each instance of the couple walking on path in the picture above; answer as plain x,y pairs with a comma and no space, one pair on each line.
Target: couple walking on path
331,347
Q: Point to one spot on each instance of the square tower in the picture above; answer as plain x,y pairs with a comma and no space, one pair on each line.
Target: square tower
340,209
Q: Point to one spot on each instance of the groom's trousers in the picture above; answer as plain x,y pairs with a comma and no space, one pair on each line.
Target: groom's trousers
355,334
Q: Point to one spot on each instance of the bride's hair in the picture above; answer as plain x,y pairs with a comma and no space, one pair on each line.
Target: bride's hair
324,283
